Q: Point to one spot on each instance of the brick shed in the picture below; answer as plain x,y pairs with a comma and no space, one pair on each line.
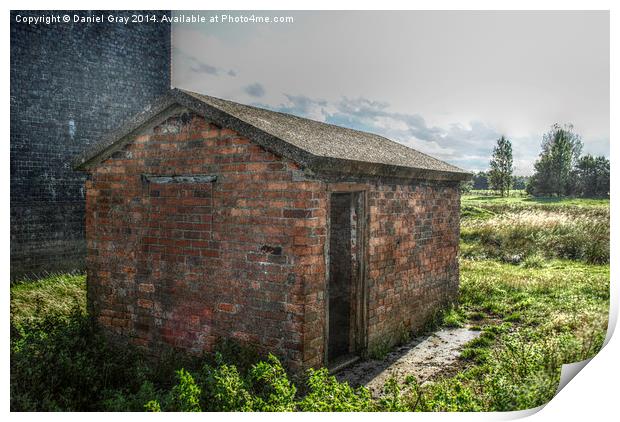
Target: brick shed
208,219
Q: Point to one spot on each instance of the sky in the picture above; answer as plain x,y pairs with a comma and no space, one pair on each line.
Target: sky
447,83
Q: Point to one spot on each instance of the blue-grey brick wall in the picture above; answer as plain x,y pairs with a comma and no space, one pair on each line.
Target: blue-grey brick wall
70,84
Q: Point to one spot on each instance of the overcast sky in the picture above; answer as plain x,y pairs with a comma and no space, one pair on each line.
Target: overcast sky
445,83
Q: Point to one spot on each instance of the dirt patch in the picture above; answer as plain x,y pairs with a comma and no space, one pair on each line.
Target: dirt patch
424,357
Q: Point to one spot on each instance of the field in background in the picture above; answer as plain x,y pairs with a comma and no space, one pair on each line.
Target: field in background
531,230
489,198
534,280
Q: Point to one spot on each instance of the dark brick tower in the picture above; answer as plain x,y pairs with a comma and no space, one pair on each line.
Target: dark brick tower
70,84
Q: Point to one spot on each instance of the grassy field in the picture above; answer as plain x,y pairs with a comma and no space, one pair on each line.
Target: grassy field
534,280
488,199
518,229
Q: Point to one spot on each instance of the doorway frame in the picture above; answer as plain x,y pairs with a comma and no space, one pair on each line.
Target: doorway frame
361,286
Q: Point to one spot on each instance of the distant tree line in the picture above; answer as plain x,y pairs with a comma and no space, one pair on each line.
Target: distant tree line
480,181
560,170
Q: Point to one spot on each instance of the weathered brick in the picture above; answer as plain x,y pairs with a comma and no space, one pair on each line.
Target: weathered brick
145,303
227,307
244,257
147,288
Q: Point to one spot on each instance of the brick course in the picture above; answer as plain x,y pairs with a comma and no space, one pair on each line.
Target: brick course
184,264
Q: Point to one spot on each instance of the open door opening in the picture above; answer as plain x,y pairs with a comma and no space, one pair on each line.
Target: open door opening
345,288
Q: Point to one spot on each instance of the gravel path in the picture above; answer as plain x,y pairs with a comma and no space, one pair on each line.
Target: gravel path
423,357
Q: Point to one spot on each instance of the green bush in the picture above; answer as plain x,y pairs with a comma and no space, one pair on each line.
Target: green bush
271,388
326,394
62,363
185,396
226,390
450,395
266,388
395,399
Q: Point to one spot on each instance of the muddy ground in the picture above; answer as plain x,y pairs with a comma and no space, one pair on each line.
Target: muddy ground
424,357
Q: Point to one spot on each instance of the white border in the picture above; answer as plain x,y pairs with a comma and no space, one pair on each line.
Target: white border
592,394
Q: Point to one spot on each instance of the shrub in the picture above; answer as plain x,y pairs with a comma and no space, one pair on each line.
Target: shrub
326,394
397,399
450,395
226,390
185,396
271,388
63,363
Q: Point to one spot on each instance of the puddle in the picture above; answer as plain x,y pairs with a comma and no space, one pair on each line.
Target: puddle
423,357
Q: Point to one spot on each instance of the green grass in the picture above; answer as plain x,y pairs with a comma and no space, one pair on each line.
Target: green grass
489,201
533,321
536,308
54,295
535,313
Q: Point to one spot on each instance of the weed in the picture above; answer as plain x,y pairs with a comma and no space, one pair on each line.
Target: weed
380,350
453,318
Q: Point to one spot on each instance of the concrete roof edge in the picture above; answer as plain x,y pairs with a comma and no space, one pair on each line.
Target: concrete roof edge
339,167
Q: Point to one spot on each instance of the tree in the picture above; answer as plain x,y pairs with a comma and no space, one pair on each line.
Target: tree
561,148
519,182
500,174
466,186
481,181
591,176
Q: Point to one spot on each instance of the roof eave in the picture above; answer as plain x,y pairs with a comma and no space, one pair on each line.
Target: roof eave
339,167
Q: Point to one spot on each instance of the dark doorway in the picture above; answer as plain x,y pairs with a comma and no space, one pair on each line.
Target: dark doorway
345,280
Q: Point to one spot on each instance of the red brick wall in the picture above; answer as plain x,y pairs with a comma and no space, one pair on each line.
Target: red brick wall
185,264
413,266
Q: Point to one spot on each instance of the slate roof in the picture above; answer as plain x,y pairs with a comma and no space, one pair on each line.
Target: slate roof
320,147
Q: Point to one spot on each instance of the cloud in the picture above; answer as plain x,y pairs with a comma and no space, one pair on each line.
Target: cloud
255,90
303,106
198,66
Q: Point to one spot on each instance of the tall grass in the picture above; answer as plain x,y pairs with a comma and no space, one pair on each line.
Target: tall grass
516,235
55,294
